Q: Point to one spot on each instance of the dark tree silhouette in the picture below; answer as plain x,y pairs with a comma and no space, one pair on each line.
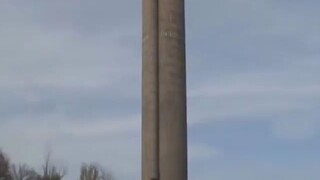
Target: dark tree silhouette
23,172
94,172
4,167
51,171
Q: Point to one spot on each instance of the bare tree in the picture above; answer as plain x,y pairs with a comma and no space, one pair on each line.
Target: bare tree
4,167
51,171
23,172
94,172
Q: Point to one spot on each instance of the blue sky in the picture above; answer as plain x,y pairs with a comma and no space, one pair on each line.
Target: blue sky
70,77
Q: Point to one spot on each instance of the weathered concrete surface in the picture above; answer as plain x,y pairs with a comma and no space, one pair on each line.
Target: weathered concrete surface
164,150
172,91
150,91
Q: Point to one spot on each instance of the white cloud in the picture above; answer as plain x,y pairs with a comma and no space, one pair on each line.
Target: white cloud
122,125
302,128
268,96
200,152
253,171
34,54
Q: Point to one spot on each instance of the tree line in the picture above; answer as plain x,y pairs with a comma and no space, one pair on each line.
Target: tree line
49,171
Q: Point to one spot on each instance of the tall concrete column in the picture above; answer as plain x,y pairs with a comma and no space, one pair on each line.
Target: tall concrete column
172,91
164,121
150,91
